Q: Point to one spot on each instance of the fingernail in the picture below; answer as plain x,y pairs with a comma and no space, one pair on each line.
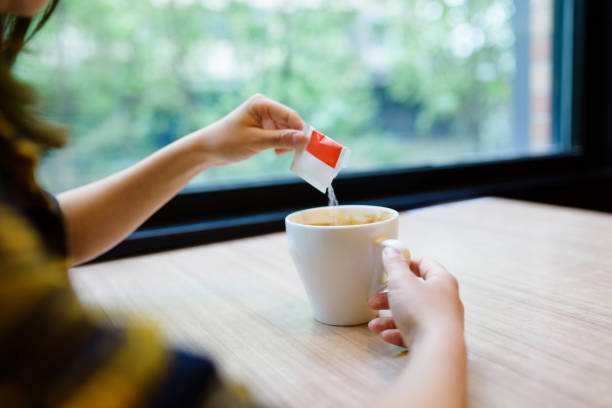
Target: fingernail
298,139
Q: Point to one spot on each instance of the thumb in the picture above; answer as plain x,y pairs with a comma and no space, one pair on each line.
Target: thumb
282,139
398,268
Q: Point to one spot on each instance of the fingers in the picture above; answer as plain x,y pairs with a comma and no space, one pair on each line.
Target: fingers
284,139
381,324
396,265
394,337
385,326
278,125
282,151
431,270
379,301
414,267
425,268
275,114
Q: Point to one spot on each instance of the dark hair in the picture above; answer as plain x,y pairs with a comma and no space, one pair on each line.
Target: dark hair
19,117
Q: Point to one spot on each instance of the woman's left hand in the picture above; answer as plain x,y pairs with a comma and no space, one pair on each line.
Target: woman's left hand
258,124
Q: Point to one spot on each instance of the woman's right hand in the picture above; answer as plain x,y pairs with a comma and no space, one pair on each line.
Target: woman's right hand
258,124
423,297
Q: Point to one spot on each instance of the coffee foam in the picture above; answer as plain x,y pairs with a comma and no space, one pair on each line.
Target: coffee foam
338,216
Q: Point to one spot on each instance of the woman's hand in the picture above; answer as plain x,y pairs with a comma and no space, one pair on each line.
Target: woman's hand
428,318
258,124
423,298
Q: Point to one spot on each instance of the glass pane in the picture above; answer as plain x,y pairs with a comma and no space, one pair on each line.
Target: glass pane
402,83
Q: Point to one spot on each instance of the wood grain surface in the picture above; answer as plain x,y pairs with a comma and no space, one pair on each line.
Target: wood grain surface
536,282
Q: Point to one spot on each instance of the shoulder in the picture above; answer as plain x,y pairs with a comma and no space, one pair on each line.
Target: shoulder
22,198
17,235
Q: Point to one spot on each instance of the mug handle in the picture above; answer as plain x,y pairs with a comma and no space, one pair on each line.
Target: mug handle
393,243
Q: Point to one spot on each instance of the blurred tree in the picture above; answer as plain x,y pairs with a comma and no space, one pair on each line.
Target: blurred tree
402,82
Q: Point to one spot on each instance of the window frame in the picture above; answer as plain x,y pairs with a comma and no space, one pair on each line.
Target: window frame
581,177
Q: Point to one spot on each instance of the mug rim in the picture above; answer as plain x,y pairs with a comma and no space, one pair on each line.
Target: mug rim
394,215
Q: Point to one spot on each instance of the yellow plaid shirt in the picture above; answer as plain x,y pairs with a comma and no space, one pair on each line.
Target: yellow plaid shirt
54,352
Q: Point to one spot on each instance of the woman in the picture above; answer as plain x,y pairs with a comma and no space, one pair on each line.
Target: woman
53,352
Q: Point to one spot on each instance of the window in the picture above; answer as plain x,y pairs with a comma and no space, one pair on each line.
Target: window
438,99
403,83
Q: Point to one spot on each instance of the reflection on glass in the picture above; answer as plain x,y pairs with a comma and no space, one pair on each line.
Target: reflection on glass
402,83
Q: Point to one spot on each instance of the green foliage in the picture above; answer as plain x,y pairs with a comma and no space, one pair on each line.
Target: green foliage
400,82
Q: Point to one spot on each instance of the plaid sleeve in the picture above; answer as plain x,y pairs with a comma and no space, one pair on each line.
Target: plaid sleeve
54,352
191,381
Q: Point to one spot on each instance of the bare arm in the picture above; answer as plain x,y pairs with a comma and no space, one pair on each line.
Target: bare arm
101,214
435,375
428,318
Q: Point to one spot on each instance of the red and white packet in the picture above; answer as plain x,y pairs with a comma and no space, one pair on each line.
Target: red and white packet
321,160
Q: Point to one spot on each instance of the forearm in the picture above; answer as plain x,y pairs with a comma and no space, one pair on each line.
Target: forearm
435,375
101,214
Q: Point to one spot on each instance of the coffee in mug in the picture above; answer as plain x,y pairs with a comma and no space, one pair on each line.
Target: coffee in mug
341,216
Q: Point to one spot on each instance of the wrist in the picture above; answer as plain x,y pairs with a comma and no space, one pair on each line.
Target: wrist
198,146
445,331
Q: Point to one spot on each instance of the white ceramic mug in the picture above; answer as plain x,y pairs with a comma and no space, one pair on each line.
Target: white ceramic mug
341,265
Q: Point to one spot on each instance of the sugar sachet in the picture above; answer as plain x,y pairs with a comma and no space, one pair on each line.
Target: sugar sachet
320,161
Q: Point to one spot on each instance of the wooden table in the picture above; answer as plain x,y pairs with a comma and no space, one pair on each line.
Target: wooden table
536,282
